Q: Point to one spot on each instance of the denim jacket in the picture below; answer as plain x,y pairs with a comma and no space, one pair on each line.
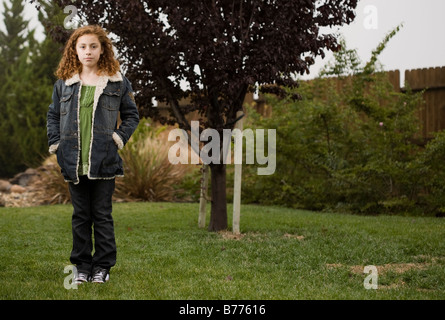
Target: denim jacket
113,97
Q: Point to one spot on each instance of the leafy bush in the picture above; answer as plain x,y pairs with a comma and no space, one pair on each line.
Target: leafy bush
349,145
431,174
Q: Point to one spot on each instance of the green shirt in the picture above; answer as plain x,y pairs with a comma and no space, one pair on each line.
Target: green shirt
85,125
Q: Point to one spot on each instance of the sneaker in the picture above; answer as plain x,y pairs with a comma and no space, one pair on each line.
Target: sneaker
100,275
81,277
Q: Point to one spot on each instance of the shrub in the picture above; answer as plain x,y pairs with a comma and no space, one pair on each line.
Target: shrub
347,145
149,175
431,175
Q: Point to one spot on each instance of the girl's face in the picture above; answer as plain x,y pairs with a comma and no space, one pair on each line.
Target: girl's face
88,50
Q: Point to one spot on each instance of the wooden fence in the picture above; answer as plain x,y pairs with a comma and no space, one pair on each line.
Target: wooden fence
431,113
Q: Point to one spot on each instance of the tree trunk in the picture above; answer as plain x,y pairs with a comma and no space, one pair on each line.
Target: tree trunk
218,213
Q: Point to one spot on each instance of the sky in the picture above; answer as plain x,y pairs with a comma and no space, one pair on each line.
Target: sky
419,44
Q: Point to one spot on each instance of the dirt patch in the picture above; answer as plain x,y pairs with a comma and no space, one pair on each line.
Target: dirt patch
293,236
394,267
398,268
230,235
225,234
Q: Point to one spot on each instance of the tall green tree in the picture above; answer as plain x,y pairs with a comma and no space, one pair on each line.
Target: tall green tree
12,42
26,84
49,51
12,47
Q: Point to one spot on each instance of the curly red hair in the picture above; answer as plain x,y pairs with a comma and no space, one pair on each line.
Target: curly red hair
69,63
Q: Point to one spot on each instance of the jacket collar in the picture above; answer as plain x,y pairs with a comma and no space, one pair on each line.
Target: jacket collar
102,79
100,86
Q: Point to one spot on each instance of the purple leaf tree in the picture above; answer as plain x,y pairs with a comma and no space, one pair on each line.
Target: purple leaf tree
222,49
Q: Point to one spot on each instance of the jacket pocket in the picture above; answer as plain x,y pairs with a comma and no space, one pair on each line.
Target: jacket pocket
108,112
112,163
111,100
65,103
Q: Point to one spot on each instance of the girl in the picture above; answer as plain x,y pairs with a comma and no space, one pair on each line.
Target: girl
82,126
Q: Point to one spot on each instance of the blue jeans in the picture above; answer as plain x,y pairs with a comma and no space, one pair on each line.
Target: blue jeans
92,203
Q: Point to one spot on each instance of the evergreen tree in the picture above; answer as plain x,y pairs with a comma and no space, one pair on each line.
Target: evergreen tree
27,83
50,51
12,42
26,108
12,46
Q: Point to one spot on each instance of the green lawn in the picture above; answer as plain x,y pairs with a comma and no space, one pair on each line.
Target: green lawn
281,254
